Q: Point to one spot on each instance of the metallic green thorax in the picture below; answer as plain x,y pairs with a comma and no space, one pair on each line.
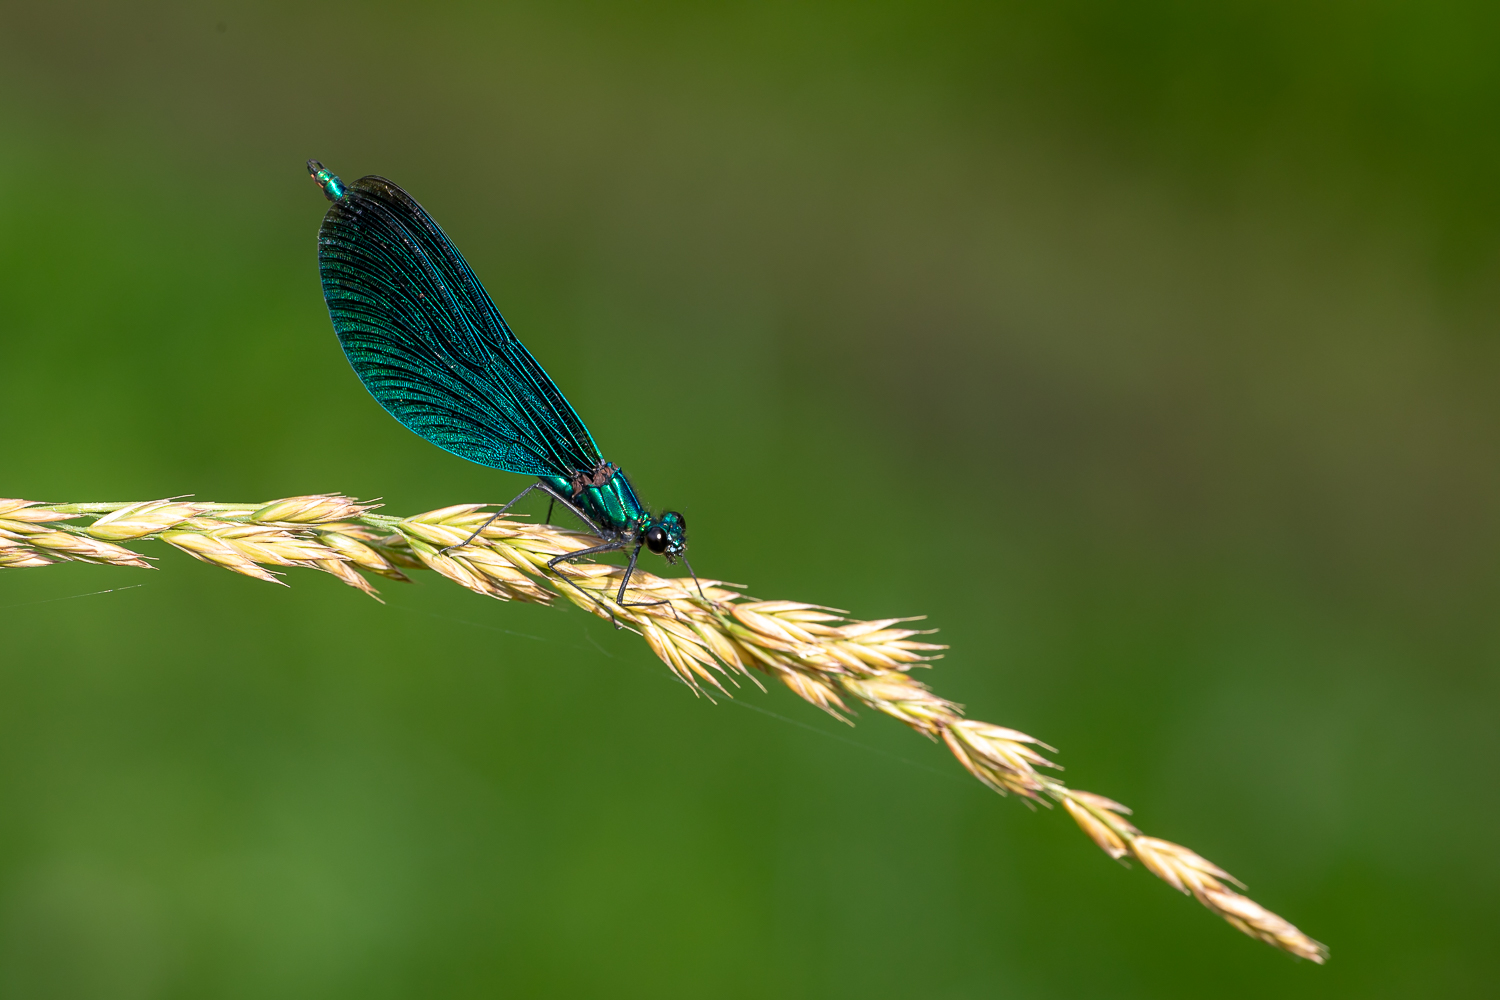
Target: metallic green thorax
610,502
613,506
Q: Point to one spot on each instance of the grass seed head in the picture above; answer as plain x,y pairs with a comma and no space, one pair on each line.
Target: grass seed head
705,631
355,550
316,509
17,555
906,699
347,573
27,512
1249,917
142,519
79,548
1109,842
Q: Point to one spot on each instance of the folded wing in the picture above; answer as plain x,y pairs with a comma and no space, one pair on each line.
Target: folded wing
425,339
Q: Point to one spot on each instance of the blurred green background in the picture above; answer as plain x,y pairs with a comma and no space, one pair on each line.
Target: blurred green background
1149,348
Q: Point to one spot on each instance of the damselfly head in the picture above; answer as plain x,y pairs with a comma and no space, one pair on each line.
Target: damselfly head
668,535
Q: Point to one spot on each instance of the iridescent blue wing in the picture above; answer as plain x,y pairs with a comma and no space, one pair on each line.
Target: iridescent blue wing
425,339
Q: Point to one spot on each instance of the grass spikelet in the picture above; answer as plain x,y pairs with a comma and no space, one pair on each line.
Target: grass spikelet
141,519
705,636
18,555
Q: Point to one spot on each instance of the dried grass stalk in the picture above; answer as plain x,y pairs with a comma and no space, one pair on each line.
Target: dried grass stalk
705,637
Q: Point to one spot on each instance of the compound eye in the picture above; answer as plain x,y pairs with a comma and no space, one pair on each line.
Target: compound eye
656,539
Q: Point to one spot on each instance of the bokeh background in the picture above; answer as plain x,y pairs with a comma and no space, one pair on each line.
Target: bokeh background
1149,348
